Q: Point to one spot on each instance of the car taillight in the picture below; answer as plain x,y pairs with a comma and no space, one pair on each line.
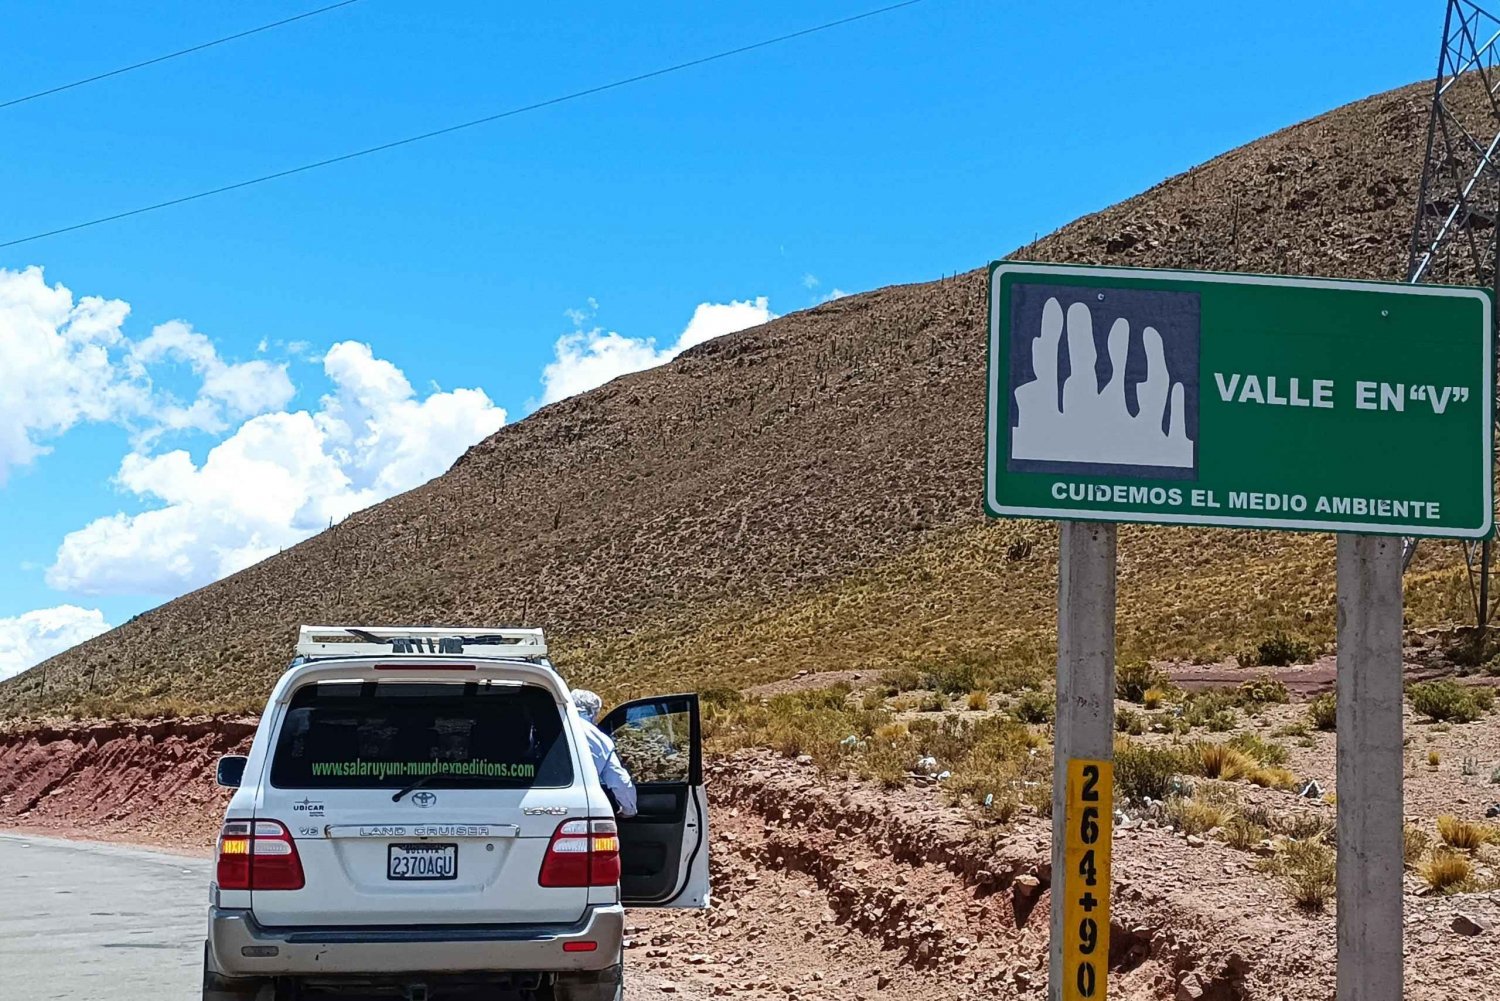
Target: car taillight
258,855
582,853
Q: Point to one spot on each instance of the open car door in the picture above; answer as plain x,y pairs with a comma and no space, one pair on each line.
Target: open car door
664,847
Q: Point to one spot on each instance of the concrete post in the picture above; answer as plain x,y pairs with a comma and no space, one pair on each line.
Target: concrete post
1085,723
1370,807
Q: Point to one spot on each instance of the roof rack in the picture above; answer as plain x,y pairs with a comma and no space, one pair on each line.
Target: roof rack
376,641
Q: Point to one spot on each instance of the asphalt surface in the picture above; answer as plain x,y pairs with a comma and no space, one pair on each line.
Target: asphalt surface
93,922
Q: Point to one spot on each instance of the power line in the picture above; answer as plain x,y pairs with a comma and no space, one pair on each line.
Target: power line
575,95
172,55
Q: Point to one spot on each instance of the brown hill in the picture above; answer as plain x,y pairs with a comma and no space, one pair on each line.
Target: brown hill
805,493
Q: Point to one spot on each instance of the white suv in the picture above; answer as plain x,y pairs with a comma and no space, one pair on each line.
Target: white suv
419,818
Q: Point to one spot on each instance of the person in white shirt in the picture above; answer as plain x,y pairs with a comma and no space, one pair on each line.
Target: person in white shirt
613,775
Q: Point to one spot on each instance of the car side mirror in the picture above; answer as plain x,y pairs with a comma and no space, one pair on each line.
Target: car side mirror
231,770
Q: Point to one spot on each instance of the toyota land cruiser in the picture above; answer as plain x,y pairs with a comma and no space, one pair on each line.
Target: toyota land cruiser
418,818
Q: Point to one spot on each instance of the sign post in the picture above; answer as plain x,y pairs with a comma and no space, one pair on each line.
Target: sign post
1240,401
1083,761
1370,812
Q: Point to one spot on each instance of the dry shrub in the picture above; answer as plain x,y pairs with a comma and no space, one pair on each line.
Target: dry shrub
1323,711
1434,759
1035,707
1448,872
1264,691
1278,650
1464,835
1448,700
978,700
900,679
1145,772
1302,826
1129,721
1135,679
1153,697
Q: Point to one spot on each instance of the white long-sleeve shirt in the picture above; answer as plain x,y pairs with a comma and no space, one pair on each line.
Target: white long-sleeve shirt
612,773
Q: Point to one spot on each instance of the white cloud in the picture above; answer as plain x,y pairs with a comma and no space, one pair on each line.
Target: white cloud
837,293
58,365
585,359
278,479
66,362
32,637
810,281
228,392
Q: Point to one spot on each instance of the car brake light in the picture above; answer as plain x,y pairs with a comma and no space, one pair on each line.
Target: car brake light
582,853
258,855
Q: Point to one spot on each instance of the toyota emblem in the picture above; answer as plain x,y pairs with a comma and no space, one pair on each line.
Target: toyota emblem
424,799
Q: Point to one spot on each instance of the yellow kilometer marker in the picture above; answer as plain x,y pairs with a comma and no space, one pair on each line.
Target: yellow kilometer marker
1085,879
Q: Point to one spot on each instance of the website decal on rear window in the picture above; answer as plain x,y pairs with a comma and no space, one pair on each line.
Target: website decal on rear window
418,769
352,735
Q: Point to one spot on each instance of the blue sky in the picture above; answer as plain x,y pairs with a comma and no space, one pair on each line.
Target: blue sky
924,141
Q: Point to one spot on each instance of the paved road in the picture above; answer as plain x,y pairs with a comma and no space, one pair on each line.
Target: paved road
88,922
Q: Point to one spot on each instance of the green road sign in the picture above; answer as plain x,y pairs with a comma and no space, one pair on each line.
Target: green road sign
1188,398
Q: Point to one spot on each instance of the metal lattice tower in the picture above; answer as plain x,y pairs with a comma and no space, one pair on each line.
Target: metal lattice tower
1453,239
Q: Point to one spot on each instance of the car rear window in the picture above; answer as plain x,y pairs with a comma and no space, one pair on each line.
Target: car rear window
340,735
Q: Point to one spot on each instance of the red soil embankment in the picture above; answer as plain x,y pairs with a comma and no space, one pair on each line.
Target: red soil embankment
134,781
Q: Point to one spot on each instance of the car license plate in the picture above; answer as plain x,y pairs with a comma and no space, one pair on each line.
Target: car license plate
422,862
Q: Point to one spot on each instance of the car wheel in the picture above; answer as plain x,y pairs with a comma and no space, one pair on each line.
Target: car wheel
220,988
602,985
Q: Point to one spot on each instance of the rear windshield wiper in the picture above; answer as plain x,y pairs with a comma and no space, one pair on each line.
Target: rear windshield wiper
454,777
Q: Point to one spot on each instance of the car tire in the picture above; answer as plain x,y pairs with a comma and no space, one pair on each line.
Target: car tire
601,985
217,987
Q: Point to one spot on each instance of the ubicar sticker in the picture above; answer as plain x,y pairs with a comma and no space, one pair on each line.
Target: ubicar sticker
1085,879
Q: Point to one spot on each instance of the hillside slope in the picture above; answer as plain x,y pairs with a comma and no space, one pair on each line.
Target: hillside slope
802,493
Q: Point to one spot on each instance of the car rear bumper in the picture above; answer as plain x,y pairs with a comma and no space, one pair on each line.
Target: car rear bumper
241,947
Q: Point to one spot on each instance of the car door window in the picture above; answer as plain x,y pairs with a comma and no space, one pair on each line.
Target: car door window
655,742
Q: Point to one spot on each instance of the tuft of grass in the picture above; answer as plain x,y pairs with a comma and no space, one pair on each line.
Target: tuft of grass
978,699
1145,772
1239,832
1434,759
1309,870
1323,711
1134,679
1264,751
1220,761
1272,778
1448,872
1414,842
874,698
1153,697
1035,707
1191,816
1464,835
1449,701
